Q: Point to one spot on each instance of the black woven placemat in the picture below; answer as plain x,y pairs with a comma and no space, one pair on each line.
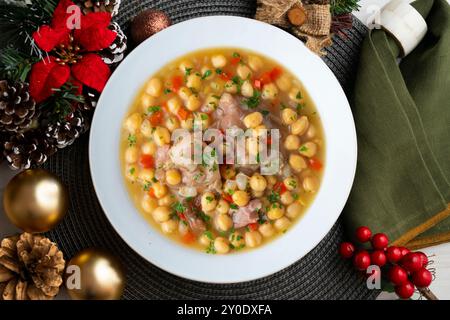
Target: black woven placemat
321,274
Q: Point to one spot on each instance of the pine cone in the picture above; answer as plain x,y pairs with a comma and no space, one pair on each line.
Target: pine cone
91,97
29,148
31,267
87,6
64,132
17,107
116,51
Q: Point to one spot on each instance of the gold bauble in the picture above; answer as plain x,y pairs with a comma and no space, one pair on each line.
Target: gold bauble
35,200
101,276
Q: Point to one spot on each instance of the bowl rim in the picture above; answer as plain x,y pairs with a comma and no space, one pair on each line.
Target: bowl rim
218,269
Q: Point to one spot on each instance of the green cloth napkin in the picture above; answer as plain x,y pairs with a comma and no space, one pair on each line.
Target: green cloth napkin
402,116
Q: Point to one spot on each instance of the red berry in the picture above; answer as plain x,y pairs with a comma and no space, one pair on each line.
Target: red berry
346,250
411,262
394,254
424,258
380,241
405,291
422,278
405,251
363,234
378,257
398,275
361,260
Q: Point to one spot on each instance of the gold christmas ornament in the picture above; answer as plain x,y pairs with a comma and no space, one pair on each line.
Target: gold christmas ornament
94,274
147,23
31,268
35,200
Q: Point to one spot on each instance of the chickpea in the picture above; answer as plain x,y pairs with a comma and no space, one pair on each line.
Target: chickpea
159,189
149,204
296,95
300,126
258,182
269,92
208,201
146,129
294,210
187,124
253,119
201,120
133,123
169,226
275,212
216,86
231,87
223,222
149,147
167,200
253,239
205,239
237,240
286,198
308,149
292,142
147,174
266,229
311,133
173,177
255,63
222,206
193,103
243,71
311,184
174,104
240,198
185,65
161,136
227,171
259,131
172,123
184,93
146,101
221,245
297,162
247,89
161,214
271,180
194,81
291,183
218,61
282,224
284,82
289,116
131,154
211,103
154,87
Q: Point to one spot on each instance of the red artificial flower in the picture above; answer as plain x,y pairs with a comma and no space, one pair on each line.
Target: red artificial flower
72,51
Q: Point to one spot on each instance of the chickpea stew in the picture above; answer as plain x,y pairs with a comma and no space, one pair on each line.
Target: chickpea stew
225,207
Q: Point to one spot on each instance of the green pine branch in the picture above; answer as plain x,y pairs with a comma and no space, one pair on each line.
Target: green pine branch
343,6
15,65
62,102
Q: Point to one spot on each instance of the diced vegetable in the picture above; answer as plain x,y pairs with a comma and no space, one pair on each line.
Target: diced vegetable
188,238
280,187
147,161
177,83
156,118
315,164
183,114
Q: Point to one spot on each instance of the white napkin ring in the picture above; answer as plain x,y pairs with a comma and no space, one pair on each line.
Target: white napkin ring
404,23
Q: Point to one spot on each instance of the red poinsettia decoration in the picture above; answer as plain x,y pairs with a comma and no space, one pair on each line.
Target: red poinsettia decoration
71,51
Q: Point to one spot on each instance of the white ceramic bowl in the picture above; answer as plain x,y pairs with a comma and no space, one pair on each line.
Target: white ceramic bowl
121,90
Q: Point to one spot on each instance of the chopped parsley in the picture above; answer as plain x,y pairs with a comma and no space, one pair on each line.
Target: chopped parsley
273,197
238,82
154,180
187,71
203,216
258,159
300,107
208,234
147,185
253,101
292,183
210,249
219,71
178,207
209,199
234,206
236,55
153,109
204,116
206,74
265,112
167,91
295,196
132,170
303,149
299,95
132,140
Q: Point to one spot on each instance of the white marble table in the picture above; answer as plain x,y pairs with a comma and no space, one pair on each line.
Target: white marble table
441,253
